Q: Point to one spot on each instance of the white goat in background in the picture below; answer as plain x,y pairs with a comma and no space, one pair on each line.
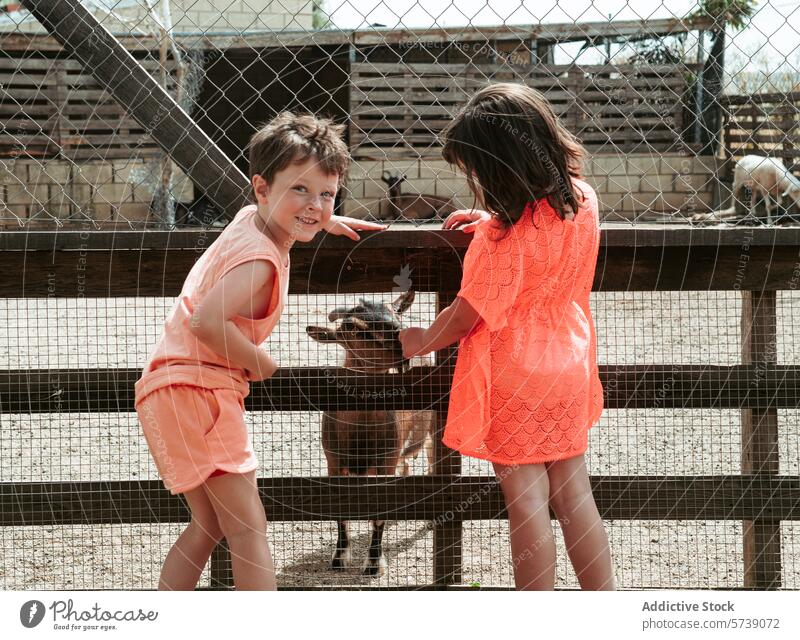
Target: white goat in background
766,178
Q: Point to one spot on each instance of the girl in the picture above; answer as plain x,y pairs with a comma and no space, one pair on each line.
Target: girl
190,398
526,388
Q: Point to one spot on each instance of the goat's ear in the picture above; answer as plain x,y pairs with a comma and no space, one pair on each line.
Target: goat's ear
321,334
403,302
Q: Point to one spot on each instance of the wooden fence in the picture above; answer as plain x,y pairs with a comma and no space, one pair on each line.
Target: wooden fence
52,107
764,124
398,109
108,265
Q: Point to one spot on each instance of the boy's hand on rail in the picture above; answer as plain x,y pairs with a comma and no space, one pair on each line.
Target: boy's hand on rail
345,226
469,218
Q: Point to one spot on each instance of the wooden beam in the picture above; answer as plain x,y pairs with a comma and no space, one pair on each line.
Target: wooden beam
548,32
102,55
754,386
401,235
104,264
253,39
790,98
371,267
448,543
439,498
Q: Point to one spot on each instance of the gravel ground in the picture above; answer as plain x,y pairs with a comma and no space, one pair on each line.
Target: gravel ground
635,327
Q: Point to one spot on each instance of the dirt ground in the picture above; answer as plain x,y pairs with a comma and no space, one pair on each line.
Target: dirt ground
633,327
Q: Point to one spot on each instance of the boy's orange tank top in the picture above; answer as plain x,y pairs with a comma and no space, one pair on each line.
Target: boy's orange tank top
526,387
180,357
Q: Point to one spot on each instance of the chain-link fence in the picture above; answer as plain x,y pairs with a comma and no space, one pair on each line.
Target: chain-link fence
664,102
669,105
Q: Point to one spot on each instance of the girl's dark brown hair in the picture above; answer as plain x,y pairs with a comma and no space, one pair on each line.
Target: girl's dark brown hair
514,150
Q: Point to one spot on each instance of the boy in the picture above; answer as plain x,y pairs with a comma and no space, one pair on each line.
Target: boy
190,398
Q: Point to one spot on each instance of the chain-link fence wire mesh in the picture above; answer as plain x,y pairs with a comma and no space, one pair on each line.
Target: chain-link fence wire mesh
665,101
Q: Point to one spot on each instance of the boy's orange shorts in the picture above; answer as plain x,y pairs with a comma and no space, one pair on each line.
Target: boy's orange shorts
195,432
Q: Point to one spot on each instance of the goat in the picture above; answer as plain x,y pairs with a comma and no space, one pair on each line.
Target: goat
415,206
370,442
767,178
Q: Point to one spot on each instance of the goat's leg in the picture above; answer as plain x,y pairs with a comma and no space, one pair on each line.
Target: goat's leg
731,210
768,206
409,453
429,453
375,564
342,556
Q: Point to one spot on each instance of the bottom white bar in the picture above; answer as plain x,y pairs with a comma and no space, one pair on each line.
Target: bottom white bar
399,614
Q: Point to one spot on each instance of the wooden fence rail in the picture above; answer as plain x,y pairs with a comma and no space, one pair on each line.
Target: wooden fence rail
764,124
54,108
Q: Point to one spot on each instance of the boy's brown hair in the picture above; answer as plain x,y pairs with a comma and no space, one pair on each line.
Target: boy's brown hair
292,138
514,150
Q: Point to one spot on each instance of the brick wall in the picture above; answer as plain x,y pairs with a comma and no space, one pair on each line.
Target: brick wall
111,191
628,186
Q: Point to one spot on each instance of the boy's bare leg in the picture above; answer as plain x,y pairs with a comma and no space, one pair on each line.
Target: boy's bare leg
244,524
525,489
189,555
587,543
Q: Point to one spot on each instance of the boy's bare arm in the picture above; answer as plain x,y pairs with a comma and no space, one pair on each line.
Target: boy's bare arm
212,320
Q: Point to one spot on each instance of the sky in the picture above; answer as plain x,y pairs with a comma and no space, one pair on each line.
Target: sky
774,30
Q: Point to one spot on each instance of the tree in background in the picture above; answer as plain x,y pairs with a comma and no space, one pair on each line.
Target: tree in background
724,13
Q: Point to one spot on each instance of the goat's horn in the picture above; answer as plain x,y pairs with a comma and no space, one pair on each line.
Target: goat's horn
359,323
338,313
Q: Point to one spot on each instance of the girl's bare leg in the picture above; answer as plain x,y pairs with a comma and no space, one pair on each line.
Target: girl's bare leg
244,523
573,503
526,490
189,555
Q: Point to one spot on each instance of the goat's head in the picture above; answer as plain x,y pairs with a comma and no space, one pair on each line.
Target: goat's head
392,180
369,333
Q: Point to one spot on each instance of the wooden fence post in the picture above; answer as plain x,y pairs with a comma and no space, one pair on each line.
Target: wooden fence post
447,542
761,537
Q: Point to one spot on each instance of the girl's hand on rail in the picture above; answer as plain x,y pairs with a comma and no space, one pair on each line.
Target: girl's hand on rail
412,340
469,218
